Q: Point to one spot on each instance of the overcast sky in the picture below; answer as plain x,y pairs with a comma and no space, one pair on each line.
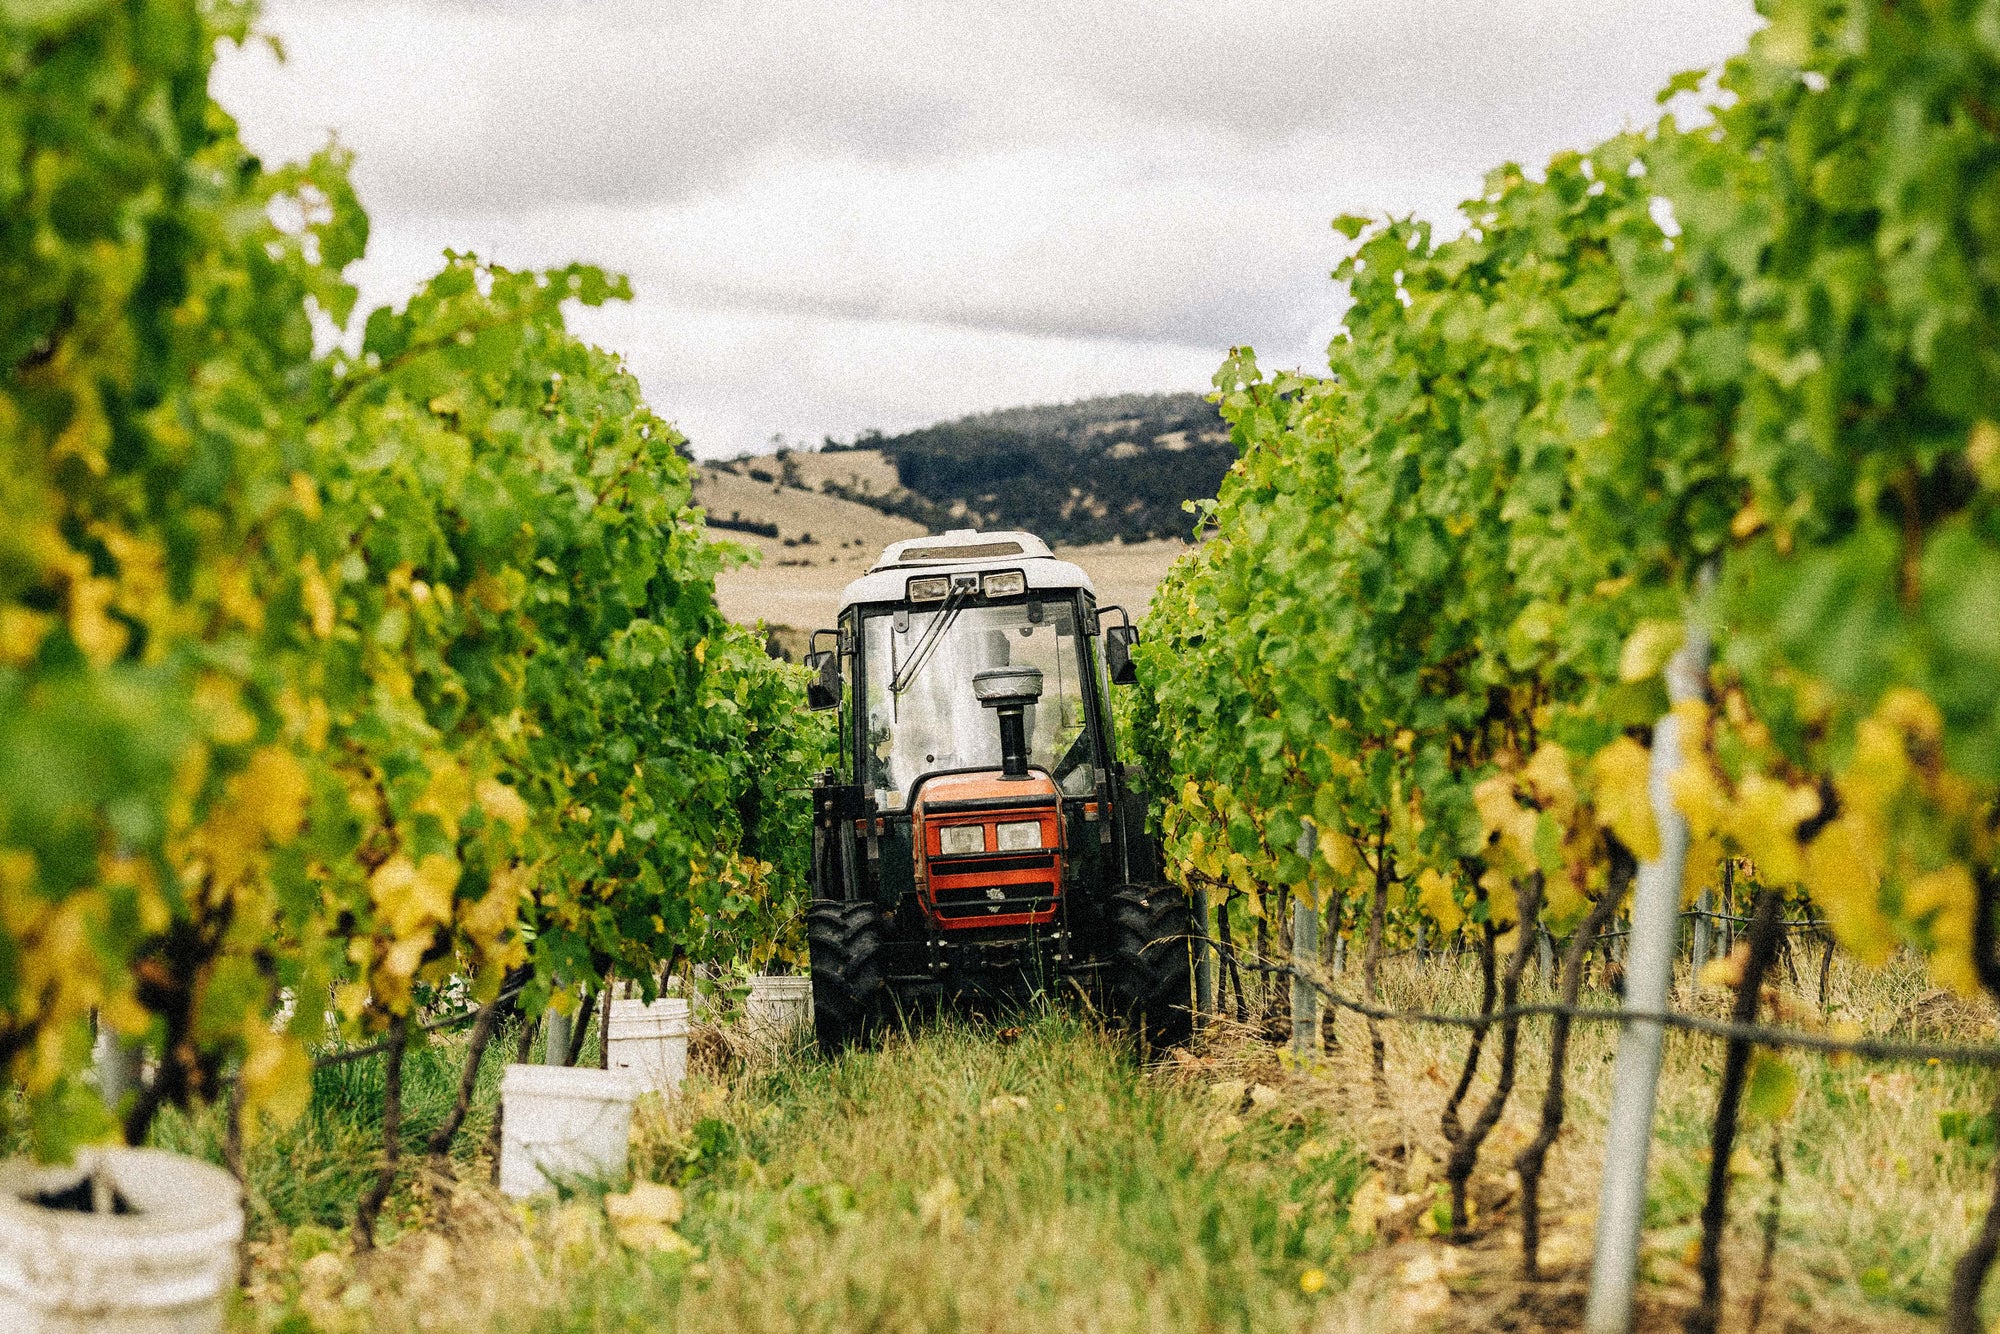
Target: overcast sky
883,214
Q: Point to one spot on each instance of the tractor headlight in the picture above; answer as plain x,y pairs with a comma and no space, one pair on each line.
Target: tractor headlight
934,589
1021,836
1011,583
962,840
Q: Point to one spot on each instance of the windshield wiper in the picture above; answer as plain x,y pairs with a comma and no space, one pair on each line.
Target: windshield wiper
925,646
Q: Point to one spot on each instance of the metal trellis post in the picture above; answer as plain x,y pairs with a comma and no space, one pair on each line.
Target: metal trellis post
1649,972
1305,999
1204,959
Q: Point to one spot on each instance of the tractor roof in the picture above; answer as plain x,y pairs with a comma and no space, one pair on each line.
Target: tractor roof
962,549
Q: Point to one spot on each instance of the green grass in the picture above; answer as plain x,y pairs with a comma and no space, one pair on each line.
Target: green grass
947,1182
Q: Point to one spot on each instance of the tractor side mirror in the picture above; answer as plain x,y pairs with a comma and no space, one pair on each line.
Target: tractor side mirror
1118,642
823,691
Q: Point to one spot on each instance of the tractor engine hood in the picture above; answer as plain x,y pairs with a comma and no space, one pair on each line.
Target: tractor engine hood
988,849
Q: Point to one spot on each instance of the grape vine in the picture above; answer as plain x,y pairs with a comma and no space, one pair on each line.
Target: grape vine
329,674
1738,374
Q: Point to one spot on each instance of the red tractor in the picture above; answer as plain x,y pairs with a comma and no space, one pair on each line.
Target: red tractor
980,837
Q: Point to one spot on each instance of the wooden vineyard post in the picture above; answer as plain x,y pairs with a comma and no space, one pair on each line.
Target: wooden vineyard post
1649,974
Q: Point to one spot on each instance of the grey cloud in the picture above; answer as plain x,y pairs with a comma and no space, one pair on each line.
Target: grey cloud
476,107
840,216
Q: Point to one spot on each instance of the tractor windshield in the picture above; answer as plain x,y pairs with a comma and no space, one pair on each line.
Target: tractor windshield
933,721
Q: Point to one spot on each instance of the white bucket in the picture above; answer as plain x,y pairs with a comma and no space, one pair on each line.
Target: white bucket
162,1269
650,1042
779,1009
562,1125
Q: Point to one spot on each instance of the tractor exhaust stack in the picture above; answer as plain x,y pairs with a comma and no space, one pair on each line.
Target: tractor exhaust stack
1008,691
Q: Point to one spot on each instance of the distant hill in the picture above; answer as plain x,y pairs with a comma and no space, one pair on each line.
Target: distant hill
1092,471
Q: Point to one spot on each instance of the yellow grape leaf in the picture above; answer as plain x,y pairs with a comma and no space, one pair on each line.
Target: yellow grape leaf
125,1014
1548,777
236,593
273,790
305,495
1880,768
1704,857
394,970
1646,652
1844,876
100,637
1700,795
495,912
1563,898
1434,896
317,596
503,803
1501,903
449,794
1749,520
1982,451
220,702
350,999
21,634
1191,796
1501,814
1622,800
277,1076
1338,851
1947,898
413,897
1765,824
1913,712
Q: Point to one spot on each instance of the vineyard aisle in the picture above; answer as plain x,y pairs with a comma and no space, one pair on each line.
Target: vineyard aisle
1037,1177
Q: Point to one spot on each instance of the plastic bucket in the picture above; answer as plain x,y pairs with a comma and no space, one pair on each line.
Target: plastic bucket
650,1042
163,1268
562,1125
779,1009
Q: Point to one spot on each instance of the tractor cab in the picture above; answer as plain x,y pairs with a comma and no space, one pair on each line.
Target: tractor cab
980,820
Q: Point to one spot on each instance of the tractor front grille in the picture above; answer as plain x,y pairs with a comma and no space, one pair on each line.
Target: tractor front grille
975,901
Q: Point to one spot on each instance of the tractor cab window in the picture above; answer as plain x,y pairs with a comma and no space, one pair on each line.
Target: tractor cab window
923,716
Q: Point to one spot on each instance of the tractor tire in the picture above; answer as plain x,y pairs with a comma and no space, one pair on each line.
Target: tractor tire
850,997
1151,973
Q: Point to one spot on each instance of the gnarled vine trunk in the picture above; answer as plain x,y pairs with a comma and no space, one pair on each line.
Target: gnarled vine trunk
1532,1159
1765,921
1465,1153
370,1207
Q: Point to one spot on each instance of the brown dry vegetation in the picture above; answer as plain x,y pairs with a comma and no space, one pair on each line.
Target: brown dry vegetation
1876,1205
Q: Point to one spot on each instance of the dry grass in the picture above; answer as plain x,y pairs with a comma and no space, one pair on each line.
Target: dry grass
1876,1206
